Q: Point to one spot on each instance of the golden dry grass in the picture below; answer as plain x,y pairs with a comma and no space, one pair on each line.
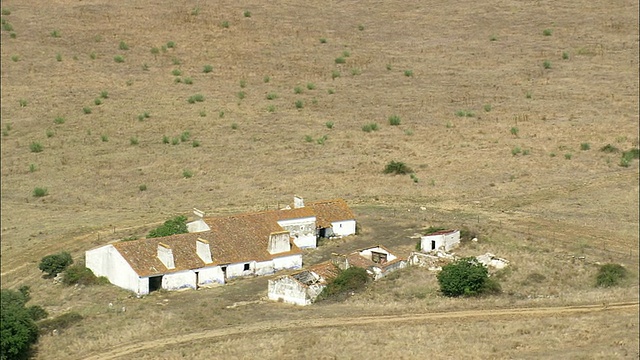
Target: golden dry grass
533,209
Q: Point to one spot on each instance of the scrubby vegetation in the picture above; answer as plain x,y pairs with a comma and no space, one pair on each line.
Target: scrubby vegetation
611,275
347,281
397,168
177,225
18,323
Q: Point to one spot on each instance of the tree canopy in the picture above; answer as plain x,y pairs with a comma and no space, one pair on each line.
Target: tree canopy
18,330
177,225
465,277
55,263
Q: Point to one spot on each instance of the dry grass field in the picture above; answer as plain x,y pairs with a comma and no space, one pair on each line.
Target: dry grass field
504,108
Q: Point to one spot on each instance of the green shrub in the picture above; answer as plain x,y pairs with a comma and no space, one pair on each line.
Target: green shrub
271,108
176,72
243,83
609,149
36,147
6,12
487,107
59,120
165,139
329,124
347,281
631,154
493,38
394,120
408,73
15,58
123,46
176,225
79,274
356,71
234,126
55,34
118,58
465,277
104,138
266,79
514,131
86,110
195,143
247,13
185,136
241,95
225,24
340,60
55,263
171,45
32,167
568,156
142,187
308,138
195,98
397,168
370,127
187,174
40,192
175,141
60,323
17,324
546,32
414,178
565,55
299,104
272,96
546,64
323,41
22,102
585,146
207,69
97,101
297,90
133,140
610,275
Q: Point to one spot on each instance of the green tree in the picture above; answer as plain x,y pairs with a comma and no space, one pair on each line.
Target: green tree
351,279
55,263
18,330
465,277
177,225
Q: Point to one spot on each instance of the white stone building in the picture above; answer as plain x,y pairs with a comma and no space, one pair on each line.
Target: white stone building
234,246
440,240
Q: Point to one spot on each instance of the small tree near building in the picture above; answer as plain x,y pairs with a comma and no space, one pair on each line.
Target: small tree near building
177,225
466,277
17,324
55,263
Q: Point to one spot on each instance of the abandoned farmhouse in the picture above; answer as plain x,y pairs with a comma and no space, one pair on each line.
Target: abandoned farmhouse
303,287
221,248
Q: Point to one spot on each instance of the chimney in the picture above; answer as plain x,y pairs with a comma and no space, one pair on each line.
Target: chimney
166,255
198,213
340,261
204,250
298,202
279,242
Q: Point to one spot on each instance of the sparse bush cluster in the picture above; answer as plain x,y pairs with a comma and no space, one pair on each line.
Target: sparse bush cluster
397,168
55,263
611,275
347,281
176,225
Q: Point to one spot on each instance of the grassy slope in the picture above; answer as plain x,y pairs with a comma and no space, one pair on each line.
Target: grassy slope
586,205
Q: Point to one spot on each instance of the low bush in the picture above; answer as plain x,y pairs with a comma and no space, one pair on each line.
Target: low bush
347,281
397,168
610,275
79,274
61,322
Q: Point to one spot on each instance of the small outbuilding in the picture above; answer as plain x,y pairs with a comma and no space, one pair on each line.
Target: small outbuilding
443,240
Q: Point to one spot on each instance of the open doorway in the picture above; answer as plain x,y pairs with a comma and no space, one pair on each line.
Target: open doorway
155,283
433,244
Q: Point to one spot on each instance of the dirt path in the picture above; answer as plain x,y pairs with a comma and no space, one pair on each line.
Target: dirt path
134,347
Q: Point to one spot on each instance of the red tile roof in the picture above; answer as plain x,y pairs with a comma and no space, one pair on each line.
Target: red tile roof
232,239
329,211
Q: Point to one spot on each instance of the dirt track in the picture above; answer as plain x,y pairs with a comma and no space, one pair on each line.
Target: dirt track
134,347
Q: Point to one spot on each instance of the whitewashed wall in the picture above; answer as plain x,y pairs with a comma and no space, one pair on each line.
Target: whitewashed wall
288,290
344,228
210,276
107,261
302,230
179,280
446,241
287,262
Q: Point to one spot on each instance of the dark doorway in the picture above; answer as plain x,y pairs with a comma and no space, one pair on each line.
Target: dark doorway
433,244
155,283
197,279
224,273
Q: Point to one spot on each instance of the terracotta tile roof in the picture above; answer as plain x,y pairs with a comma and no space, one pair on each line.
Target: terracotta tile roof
325,269
328,211
232,239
